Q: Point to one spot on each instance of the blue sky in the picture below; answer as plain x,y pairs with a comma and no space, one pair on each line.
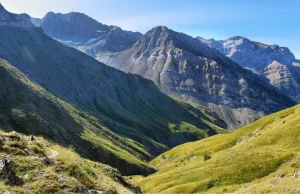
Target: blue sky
271,22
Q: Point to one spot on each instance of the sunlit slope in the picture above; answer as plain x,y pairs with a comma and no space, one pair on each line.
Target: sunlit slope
261,157
66,171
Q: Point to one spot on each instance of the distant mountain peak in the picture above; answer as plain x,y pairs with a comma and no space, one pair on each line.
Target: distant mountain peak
50,13
276,63
160,28
85,33
252,54
77,16
158,31
14,20
237,38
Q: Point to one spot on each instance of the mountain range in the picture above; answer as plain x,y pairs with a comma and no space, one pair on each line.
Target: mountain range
83,104
86,34
126,106
277,64
185,67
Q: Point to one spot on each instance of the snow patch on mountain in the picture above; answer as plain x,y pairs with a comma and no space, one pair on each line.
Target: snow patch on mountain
68,42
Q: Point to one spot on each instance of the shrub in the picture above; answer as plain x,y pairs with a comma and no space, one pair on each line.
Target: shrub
76,172
17,144
48,186
295,165
37,150
207,156
14,150
212,183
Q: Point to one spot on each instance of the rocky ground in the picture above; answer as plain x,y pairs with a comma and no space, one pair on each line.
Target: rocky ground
30,164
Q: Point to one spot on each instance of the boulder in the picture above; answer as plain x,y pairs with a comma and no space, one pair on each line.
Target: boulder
14,136
27,187
5,167
256,132
95,192
193,158
47,161
7,172
81,189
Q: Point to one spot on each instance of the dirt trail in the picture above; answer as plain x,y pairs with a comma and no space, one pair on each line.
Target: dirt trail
53,154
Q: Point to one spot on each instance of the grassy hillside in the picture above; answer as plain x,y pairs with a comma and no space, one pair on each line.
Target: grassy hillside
67,171
262,157
28,108
127,104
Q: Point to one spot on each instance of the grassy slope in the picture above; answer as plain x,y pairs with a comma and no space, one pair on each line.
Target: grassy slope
26,107
37,177
261,157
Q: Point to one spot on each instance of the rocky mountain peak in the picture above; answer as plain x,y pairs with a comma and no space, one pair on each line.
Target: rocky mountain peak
252,54
85,33
201,39
14,20
159,29
158,32
75,18
49,14
164,40
274,62
237,38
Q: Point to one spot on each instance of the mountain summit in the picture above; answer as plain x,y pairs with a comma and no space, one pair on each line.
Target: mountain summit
277,64
187,68
81,31
251,54
15,20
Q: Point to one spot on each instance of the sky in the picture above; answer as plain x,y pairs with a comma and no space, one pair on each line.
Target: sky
267,21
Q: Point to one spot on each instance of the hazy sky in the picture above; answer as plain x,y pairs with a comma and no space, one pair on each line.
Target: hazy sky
268,21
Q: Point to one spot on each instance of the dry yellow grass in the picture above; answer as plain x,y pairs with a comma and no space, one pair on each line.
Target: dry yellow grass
261,157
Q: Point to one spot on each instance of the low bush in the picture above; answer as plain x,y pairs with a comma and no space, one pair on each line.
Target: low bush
75,171
206,156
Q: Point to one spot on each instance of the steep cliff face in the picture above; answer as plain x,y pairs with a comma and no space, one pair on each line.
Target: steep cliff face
183,66
285,77
79,30
277,64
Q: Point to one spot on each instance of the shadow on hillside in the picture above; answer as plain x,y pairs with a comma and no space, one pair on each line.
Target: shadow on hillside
28,111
